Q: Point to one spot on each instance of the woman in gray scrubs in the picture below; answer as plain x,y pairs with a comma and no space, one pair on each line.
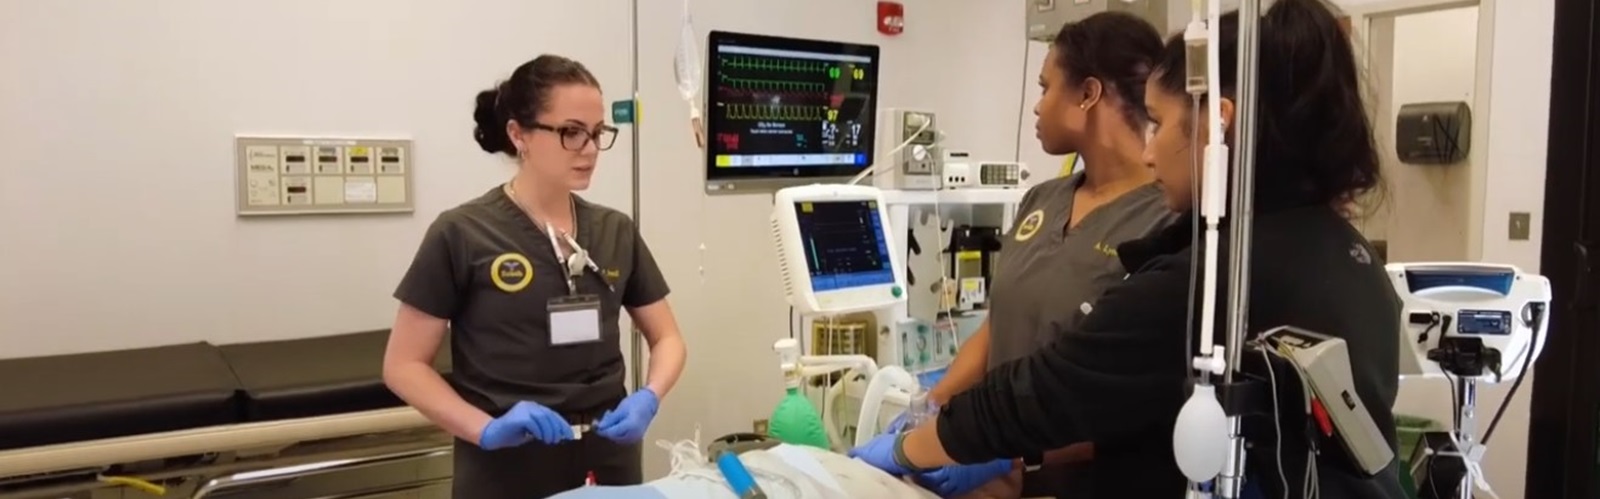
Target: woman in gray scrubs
1061,253
527,281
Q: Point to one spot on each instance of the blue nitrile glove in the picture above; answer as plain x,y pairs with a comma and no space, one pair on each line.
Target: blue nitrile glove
627,423
525,422
879,453
957,480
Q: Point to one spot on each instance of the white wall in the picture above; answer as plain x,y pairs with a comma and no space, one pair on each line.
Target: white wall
1428,208
1517,139
963,59
116,191
119,123
1510,92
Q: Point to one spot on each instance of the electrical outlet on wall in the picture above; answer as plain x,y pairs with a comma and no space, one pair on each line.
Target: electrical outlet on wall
759,426
1520,226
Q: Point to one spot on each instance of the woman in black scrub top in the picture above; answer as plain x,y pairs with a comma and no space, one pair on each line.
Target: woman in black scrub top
1059,257
1119,377
528,281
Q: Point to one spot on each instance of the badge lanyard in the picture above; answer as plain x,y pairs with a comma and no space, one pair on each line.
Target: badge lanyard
575,318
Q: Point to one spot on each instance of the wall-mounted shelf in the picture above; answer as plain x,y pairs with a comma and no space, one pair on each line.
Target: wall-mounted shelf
955,196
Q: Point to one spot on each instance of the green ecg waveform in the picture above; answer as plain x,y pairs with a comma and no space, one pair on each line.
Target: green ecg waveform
775,113
772,64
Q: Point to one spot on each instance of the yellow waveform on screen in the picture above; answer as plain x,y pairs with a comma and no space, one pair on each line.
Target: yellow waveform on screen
766,112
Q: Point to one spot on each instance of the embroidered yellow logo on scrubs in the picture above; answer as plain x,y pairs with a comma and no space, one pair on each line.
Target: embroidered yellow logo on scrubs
612,275
1106,249
511,272
1030,225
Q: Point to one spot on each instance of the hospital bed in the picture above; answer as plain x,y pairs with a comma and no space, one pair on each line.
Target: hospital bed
202,421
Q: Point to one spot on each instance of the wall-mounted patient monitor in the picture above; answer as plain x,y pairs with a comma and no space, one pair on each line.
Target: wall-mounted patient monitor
787,112
834,249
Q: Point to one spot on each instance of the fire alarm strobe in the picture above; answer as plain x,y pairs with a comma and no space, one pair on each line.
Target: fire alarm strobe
891,18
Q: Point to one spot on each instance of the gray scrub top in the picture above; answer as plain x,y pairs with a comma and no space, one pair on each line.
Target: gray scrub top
1046,276
488,269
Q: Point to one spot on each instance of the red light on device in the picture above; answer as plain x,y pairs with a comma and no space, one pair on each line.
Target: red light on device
891,18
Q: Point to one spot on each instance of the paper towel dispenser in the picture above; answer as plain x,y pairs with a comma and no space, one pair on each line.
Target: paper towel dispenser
1433,133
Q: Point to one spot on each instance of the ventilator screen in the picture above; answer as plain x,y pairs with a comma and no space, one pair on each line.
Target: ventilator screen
844,244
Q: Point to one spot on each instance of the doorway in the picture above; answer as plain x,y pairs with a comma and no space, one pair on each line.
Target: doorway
1564,438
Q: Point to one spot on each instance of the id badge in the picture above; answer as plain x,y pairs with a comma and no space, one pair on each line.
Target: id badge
574,320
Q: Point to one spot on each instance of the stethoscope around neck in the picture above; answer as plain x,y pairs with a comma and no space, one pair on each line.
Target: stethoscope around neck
574,262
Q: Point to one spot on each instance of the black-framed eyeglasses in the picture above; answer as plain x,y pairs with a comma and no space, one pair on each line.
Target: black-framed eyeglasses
575,138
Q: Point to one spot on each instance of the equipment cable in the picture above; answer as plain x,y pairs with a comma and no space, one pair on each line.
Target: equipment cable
1194,241
1022,99
1277,418
1535,321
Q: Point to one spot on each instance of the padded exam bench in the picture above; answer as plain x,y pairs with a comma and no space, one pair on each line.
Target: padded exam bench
70,398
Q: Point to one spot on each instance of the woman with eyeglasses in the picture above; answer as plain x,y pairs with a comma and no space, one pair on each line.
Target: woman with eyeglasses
528,281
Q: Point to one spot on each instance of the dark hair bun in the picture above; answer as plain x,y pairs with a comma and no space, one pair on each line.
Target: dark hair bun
491,128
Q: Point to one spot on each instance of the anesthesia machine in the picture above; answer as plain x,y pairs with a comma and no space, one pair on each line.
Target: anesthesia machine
834,253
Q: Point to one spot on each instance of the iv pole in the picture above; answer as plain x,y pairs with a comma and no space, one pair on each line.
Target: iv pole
635,346
1244,162
1221,432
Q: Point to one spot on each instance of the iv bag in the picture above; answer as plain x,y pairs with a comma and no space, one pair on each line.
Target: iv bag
686,65
687,62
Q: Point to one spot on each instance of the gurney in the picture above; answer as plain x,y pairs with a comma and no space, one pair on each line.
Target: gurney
200,420
782,471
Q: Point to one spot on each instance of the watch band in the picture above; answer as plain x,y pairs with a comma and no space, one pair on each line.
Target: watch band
900,456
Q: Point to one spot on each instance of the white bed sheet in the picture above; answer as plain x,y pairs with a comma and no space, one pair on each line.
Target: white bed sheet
783,472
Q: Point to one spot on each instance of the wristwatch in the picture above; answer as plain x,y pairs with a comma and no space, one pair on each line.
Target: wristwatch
1032,462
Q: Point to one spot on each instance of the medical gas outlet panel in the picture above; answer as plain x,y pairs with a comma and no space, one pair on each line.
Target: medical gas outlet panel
910,140
314,176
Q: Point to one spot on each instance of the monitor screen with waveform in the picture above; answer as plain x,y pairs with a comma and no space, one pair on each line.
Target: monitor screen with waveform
785,111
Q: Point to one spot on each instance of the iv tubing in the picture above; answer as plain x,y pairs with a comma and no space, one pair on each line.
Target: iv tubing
1213,195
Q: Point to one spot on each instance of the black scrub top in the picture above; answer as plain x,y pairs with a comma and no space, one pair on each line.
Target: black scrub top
1119,378
487,268
1047,277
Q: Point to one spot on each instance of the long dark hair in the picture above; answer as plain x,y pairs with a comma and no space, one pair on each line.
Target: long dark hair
1314,142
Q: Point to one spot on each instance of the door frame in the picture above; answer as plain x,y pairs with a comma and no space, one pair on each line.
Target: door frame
1564,433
